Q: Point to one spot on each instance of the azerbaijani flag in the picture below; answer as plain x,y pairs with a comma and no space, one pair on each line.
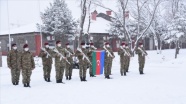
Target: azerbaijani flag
98,58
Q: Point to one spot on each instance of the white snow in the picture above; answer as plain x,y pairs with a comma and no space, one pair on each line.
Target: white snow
22,29
163,83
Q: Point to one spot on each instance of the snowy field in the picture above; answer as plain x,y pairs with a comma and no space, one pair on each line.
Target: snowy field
164,82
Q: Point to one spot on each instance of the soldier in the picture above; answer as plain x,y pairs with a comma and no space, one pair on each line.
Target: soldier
12,61
141,57
91,49
129,56
123,59
27,65
46,55
108,60
59,62
69,67
81,53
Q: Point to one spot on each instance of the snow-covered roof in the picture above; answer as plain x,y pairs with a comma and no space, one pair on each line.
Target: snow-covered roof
22,29
99,25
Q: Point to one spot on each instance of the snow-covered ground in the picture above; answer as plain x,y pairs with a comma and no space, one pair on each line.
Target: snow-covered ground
164,82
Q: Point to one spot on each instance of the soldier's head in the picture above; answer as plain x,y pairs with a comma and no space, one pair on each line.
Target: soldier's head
58,43
107,44
91,44
14,46
123,45
140,44
67,45
126,45
46,45
83,45
25,47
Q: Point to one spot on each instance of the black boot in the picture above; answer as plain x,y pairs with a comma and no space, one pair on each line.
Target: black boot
14,83
84,79
58,81
48,80
108,77
69,78
28,85
124,73
45,78
25,85
81,78
141,72
90,75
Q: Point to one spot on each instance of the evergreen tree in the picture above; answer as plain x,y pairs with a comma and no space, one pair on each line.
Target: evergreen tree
57,20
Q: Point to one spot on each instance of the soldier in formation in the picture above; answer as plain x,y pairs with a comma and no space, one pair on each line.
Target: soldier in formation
109,56
13,62
128,57
46,55
26,63
69,66
123,59
81,53
60,62
141,57
91,49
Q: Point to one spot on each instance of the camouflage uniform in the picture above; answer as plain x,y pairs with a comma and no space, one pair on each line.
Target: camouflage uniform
27,64
82,64
128,59
123,61
141,59
13,61
108,62
69,67
47,63
59,64
90,58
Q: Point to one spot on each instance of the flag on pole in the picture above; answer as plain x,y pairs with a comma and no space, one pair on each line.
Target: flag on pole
98,58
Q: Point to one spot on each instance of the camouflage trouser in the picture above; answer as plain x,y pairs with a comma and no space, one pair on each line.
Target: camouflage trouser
15,73
90,67
26,73
68,69
141,63
82,69
107,67
59,72
127,64
123,67
47,71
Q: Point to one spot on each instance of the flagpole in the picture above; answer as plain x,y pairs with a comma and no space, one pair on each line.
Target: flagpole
40,25
8,27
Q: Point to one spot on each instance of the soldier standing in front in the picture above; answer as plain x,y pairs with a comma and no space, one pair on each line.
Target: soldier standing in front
91,49
46,55
69,66
123,59
81,53
108,60
12,61
141,57
59,62
27,64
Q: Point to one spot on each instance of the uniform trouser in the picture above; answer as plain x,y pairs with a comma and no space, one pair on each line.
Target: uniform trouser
141,63
15,73
82,69
123,67
59,72
68,69
127,64
107,67
141,66
26,73
90,67
47,71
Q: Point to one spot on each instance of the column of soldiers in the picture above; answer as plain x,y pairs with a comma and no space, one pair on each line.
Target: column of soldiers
22,61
